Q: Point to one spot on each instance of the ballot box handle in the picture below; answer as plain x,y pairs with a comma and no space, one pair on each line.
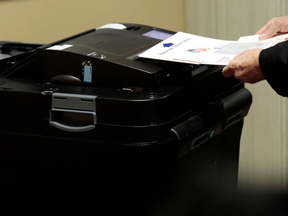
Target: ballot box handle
71,128
187,127
72,120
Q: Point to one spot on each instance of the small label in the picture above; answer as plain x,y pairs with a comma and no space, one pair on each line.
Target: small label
59,47
88,73
113,26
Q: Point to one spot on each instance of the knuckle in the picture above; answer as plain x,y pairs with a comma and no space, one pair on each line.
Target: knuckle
237,76
276,21
239,66
233,65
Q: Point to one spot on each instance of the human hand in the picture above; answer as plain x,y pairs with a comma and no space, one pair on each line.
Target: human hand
245,67
274,26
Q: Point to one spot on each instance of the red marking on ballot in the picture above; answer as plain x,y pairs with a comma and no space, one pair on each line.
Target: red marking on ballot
185,60
224,60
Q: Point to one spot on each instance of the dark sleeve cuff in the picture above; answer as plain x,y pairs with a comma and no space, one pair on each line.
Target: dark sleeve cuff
274,65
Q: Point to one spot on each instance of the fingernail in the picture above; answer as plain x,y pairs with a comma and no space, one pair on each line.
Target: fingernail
262,36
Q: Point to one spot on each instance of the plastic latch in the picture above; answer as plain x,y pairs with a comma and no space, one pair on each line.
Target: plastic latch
73,112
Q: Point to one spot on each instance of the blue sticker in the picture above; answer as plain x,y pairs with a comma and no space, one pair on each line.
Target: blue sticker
88,73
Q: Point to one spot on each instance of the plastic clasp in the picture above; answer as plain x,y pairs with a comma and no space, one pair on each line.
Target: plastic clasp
73,112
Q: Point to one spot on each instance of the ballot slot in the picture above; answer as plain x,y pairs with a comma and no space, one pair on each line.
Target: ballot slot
18,59
108,57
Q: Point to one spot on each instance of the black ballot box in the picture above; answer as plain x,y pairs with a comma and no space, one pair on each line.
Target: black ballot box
154,138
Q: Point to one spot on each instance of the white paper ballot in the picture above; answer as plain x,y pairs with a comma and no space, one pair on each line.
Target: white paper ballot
193,49
249,38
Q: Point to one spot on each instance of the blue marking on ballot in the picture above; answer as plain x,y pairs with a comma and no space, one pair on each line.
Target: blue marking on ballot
168,44
88,73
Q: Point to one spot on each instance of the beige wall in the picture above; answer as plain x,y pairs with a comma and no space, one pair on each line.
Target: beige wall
45,21
264,142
